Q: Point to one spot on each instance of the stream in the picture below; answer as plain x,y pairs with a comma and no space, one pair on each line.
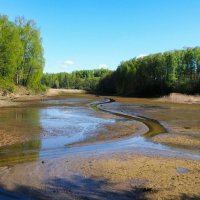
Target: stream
47,130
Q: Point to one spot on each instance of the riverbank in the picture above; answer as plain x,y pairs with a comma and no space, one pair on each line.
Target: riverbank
120,176
118,173
180,98
181,121
22,94
180,132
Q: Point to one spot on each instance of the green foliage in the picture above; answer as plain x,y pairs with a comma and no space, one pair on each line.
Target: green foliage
10,48
83,79
156,74
21,53
7,85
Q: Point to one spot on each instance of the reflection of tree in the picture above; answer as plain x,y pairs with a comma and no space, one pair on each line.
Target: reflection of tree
20,120
24,125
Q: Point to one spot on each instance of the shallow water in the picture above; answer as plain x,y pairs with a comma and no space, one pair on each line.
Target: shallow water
47,129
65,125
182,170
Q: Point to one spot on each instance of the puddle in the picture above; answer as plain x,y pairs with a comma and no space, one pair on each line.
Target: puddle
182,170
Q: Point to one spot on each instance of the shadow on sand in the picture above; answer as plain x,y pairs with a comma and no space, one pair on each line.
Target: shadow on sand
78,187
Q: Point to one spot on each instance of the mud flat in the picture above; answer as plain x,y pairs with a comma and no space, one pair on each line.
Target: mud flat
114,164
181,121
107,176
22,95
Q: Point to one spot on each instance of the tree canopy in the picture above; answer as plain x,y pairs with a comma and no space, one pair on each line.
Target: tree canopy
156,74
83,79
22,62
21,53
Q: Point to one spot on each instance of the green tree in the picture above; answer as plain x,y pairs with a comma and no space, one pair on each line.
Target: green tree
30,69
10,49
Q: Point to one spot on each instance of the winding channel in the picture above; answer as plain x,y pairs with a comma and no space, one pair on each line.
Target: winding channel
134,144
154,127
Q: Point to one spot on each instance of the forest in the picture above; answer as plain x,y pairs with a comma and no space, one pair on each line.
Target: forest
21,54
22,62
82,79
151,75
156,74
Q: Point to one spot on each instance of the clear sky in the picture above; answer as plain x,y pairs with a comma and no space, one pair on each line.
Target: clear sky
87,34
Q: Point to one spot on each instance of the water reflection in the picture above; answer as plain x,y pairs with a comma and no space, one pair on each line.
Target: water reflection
19,125
46,130
65,125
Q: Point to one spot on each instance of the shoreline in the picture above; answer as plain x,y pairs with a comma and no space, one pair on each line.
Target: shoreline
14,99
106,175
169,138
180,98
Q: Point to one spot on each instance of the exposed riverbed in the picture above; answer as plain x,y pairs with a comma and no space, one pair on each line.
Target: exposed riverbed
66,137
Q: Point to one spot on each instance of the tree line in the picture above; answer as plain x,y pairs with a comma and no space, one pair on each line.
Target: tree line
21,54
82,79
156,74
22,62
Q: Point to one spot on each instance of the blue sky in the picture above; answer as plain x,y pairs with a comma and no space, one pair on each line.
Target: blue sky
88,34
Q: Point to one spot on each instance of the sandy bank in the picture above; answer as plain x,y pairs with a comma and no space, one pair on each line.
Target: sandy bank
54,92
181,121
22,94
181,98
124,175
113,176
14,99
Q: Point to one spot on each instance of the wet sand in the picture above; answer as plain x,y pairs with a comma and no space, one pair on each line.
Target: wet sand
117,175
181,121
23,95
107,176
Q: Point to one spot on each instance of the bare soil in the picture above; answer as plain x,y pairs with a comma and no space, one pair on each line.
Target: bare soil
182,121
181,98
109,176
114,175
21,94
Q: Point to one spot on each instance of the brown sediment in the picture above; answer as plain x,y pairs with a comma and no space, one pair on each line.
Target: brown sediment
9,138
7,103
183,141
135,126
158,173
182,122
117,175
54,92
111,176
120,130
154,127
23,95
181,98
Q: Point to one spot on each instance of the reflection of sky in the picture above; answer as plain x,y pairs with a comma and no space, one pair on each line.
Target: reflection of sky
65,125
136,145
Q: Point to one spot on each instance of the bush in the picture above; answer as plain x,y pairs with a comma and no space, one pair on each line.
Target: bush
6,85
